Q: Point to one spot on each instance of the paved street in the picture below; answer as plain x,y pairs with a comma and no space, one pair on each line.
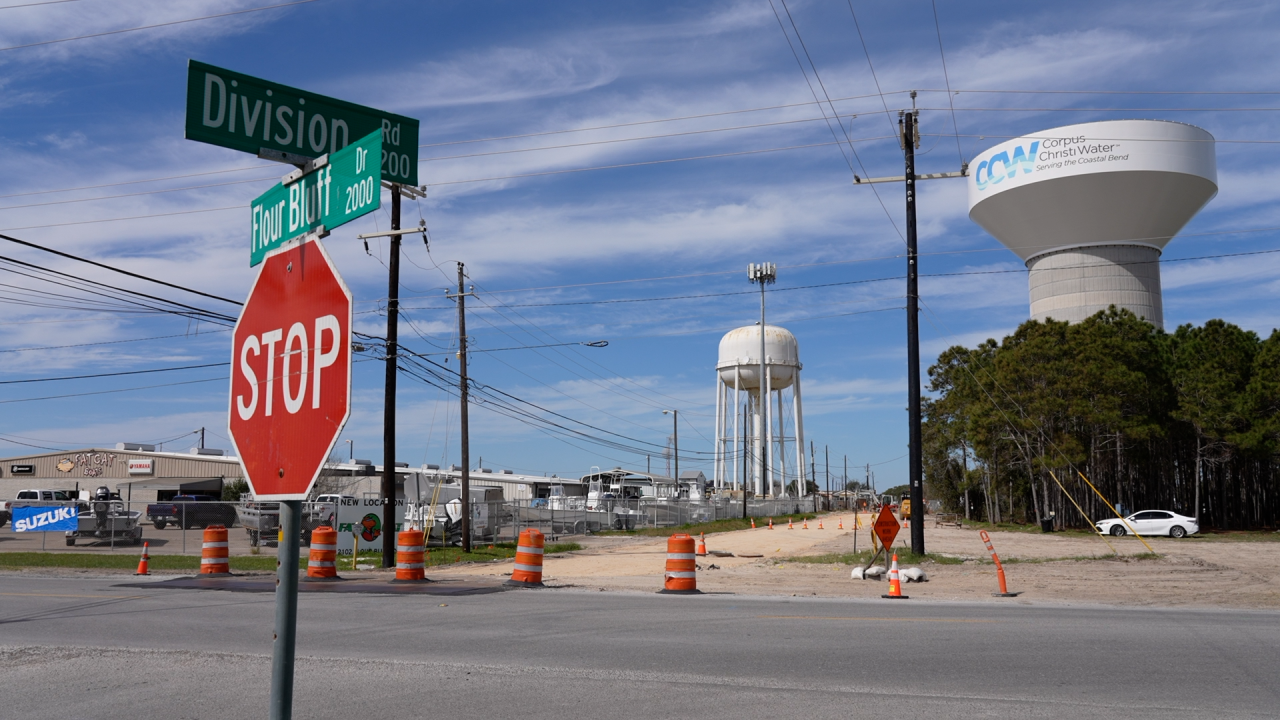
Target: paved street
87,648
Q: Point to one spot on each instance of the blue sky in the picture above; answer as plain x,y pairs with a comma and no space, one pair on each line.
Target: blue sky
554,230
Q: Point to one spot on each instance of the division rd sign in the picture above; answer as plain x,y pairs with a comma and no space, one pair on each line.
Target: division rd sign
340,190
886,526
245,113
291,371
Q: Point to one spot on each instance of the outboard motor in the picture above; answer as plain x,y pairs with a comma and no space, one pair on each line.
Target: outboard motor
101,509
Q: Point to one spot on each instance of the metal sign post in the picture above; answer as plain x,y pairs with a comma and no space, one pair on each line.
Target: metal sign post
285,638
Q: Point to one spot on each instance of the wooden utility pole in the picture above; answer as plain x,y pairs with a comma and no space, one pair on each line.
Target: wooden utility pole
907,123
466,431
389,390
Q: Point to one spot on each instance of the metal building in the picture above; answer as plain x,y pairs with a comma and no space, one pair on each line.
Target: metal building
1090,207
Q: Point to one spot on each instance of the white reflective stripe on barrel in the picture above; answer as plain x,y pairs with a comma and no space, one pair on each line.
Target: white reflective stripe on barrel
216,544
529,568
682,574
530,550
411,548
681,556
213,561
318,546
320,563
408,566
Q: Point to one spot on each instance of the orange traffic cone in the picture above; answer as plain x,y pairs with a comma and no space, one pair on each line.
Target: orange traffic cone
790,525
144,565
702,545
806,524
753,523
820,525
770,523
841,526
895,582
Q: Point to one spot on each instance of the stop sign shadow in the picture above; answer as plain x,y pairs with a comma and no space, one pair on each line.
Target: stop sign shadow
291,371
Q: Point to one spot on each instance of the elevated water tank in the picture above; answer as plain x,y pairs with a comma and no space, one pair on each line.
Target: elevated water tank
1090,207
740,349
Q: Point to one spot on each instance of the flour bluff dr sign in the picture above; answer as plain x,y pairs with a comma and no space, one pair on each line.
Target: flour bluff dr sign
253,115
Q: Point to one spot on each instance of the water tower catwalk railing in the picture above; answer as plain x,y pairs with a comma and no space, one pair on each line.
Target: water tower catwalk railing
740,415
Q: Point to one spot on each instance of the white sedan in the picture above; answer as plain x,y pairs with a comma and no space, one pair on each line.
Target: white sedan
1151,522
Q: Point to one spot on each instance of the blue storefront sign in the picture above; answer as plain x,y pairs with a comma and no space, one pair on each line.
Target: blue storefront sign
45,519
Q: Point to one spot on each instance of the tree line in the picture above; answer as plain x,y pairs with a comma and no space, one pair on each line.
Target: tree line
1188,421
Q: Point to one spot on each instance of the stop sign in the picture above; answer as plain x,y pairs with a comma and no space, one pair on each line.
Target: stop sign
291,371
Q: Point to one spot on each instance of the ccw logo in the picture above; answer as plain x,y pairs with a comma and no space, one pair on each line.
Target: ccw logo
1001,167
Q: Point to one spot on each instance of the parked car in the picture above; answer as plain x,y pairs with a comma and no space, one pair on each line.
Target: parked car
1151,522
188,511
26,498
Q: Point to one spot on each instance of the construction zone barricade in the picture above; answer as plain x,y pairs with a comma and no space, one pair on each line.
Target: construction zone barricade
411,557
214,560
681,577
527,571
322,564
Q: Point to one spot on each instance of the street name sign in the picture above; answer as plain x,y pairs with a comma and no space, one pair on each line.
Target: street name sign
886,527
291,371
250,114
334,191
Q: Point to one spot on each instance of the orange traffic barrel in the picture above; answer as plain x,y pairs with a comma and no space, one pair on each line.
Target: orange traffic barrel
528,567
682,568
214,552
322,564
411,556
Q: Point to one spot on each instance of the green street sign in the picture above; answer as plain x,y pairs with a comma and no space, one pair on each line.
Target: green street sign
332,193
246,113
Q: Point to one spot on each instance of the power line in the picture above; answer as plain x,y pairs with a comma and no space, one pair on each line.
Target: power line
120,390
136,194
113,374
132,217
120,271
157,25
945,76
114,342
135,182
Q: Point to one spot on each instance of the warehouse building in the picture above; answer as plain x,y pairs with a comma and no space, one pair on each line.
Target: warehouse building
138,472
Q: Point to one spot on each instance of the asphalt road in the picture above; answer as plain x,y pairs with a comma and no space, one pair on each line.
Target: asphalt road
85,648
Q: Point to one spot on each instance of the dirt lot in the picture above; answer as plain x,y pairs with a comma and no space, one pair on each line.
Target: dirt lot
1218,571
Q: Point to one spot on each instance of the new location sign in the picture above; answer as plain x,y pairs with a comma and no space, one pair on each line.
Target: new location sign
886,526
291,371
339,191
246,113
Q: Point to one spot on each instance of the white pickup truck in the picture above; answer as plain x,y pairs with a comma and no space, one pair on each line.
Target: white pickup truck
39,496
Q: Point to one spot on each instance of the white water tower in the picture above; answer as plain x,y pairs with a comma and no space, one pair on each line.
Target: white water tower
1090,207
740,412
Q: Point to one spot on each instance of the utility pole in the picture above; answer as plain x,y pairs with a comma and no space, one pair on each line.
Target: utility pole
910,138
826,454
201,438
813,473
745,456
762,274
389,390
462,412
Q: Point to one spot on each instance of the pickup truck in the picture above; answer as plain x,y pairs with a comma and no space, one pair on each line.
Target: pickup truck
34,497
188,511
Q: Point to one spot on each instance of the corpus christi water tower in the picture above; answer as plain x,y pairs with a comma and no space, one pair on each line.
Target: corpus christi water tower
1090,207
744,421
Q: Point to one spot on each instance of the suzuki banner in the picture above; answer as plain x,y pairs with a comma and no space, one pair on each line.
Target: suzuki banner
45,519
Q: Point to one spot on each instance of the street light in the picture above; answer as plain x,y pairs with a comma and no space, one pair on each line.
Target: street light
675,440
351,451
763,274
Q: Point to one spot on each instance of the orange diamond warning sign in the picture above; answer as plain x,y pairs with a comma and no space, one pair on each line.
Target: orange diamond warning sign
886,526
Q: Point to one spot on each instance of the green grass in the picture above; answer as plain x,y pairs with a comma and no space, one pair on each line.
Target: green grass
250,563
727,525
905,557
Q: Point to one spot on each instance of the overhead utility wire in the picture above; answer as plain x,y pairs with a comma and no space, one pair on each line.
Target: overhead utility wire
33,4
114,342
113,374
118,270
135,182
157,25
138,194
109,392
874,191
120,219
858,27
945,76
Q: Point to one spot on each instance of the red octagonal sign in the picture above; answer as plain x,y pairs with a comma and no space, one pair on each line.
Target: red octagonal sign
291,371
